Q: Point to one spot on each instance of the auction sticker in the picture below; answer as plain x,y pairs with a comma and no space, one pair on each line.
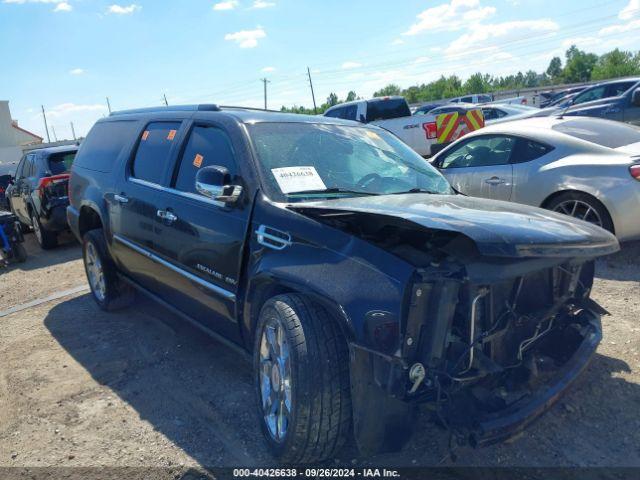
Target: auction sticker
298,179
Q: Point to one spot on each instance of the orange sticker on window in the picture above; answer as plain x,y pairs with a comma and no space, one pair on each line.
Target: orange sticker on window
172,134
145,135
197,161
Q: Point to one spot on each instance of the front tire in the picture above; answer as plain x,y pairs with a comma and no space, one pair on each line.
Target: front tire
108,291
301,366
46,239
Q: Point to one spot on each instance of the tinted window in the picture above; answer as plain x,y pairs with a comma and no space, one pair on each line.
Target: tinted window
480,152
490,113
606,134
467,99
20,169
350,112
335,113
206,146
616,89
484,98
4,180
387,109
61,162
589,95
104,144
528,150
152,156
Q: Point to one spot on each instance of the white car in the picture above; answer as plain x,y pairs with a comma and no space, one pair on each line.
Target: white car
476,98
393,114
492,112
585,167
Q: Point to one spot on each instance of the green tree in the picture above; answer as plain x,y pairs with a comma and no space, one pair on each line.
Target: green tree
579,65
616,64
555,68
332,99
477,83
391,89
351,96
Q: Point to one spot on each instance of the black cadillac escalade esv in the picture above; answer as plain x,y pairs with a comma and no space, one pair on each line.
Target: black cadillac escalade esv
359,281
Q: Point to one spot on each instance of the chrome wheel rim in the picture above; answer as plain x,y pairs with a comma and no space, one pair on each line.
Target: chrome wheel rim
95,272
36,229
581,210
275,379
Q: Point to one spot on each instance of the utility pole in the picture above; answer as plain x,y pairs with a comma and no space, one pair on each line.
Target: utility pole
109,105
166,104
53,129
315,109
73,132
265,81
45,124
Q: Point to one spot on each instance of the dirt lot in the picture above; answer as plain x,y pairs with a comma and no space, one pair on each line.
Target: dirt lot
79,387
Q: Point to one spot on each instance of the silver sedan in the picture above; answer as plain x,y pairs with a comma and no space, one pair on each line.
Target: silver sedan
584,167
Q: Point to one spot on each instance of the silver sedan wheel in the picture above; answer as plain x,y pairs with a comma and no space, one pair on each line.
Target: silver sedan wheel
275,378
36,229
581,210
95,273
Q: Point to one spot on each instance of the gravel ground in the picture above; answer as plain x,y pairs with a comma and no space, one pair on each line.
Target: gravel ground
79,387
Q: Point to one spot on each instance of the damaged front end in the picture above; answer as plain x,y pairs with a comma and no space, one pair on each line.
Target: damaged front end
488,339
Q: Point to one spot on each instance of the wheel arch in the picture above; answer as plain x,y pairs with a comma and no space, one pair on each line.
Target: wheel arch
265,287
89,219
547,201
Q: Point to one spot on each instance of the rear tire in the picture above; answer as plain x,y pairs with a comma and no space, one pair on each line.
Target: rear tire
20,253
108,291
582,206
316,374
46,239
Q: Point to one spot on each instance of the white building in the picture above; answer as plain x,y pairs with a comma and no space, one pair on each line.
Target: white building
13,139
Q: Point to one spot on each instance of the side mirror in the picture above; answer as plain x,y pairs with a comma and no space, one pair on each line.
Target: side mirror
635,97
214,182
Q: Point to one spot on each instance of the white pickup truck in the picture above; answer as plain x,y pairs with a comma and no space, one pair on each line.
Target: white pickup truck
426,134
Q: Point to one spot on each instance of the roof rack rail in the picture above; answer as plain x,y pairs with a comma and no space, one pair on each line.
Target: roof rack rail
234,107
204,107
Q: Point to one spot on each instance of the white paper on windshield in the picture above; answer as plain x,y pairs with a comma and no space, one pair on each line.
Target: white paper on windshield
298,179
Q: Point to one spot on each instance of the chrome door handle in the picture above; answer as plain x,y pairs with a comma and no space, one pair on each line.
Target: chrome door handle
166,215
120,198
494,181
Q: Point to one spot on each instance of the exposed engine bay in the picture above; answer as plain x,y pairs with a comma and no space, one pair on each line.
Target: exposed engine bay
483,337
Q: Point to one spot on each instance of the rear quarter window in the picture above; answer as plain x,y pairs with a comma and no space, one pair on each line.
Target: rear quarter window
104,144
151,161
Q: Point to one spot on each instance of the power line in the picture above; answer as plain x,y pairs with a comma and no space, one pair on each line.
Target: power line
313,96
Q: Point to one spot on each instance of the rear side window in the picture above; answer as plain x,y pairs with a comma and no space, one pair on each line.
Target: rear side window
528,150
104,144
206,146
60,163
387,109
152,156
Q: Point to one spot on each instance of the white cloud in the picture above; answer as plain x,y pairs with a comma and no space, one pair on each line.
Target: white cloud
122,10
350,65
630,11
268,69
63,7
477,37
263,4
76,71
247,38
227,5
620,28
68,109
397,41
421,60
450,16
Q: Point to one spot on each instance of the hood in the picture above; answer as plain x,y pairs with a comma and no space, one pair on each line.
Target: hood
498,228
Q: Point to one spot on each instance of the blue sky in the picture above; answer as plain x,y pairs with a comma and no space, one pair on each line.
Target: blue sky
69,55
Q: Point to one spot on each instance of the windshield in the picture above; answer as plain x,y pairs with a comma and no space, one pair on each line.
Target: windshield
605,133
303,160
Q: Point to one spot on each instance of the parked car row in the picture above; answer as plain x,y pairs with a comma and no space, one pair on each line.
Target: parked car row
361,283
37,193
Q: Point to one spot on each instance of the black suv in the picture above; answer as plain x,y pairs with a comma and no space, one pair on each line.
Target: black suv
346,265
38,193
